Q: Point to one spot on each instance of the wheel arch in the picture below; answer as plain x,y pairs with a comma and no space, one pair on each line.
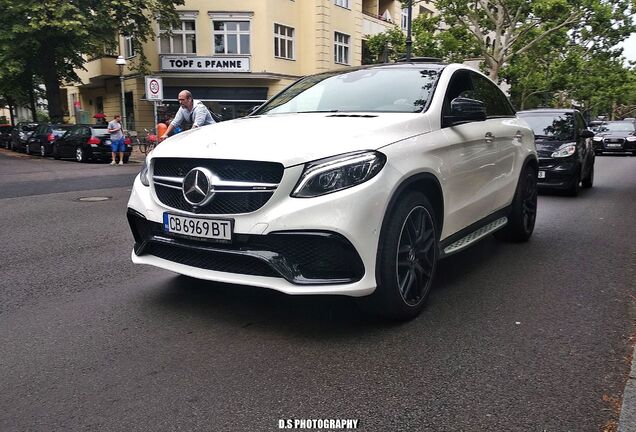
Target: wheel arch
426,183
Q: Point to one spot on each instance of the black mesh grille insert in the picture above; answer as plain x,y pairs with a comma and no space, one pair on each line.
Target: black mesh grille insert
236,170
210,260
222,203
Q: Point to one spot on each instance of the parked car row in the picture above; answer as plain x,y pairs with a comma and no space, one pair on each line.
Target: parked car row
82,142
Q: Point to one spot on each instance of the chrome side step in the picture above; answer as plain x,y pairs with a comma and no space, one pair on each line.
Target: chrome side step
475,235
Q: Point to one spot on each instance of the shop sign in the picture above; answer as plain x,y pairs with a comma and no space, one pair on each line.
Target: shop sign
205,64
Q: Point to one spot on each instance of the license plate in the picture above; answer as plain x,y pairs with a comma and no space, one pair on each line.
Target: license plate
613,145
196,227
108,142
541,174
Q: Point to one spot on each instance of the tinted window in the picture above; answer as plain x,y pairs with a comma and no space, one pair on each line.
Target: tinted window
497,104
548,125
389,89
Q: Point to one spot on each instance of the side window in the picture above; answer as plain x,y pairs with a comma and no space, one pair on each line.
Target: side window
580,122
460,85
489,93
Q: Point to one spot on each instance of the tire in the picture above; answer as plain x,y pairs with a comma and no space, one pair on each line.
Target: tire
27,149
56,152
588,181
42,150
523,214
575,188
406,260
79,154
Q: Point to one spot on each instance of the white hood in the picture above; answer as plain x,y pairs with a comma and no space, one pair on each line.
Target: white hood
292,139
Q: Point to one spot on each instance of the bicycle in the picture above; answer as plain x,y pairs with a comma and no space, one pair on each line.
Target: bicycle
148,142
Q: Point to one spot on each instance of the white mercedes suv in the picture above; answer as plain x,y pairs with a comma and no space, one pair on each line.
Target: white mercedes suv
352,182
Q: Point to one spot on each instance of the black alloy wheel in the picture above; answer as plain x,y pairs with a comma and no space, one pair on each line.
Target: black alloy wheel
406,261
42,150
27,149
79,154
523,213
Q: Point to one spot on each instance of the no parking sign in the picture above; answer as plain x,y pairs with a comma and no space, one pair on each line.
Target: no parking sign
154,89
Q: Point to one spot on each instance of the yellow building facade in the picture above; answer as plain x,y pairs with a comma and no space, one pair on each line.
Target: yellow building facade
233,55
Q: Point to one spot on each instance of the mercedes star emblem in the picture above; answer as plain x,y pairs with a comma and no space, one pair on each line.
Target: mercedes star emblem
198,187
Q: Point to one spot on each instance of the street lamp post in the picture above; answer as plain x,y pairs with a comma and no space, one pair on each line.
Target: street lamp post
121,62
409,40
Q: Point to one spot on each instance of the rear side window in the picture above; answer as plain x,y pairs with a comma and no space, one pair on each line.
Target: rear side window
497,104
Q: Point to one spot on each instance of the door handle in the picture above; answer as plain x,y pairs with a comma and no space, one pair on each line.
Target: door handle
518,135
489,138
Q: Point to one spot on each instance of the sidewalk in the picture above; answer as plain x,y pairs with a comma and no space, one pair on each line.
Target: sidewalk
136,155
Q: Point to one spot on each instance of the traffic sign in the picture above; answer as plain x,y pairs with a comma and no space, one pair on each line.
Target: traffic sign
154,89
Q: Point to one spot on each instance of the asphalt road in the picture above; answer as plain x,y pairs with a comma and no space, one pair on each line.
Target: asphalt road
532,337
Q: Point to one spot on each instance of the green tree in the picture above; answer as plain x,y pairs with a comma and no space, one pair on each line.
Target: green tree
54,37
500,28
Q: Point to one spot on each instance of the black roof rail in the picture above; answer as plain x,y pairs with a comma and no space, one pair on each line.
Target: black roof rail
419,60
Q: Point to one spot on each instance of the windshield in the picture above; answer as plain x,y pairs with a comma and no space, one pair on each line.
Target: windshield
390,89
618,127
553,126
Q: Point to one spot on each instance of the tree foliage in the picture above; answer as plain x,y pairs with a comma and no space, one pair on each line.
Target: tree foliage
550,52
49,39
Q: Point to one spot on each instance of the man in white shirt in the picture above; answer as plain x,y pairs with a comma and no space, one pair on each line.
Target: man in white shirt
117,143
191,110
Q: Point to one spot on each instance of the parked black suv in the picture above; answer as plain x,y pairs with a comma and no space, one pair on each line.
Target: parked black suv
42,139
85,142
564,146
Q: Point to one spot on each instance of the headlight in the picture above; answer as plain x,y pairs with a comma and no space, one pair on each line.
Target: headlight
631,138
597,138
143,174
337,173
565,150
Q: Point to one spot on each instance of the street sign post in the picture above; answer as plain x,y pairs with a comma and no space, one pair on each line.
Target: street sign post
154,93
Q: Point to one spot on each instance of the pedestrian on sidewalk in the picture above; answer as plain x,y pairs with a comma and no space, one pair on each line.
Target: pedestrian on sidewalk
191,110
117,144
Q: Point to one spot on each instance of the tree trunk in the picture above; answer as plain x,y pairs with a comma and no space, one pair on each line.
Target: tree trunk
11,108
52,84
32,101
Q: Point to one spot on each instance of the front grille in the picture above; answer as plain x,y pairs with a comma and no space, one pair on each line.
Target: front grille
614,141
301,257
241,201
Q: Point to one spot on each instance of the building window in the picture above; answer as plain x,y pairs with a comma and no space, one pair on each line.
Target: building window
341,48
405,18
231,37
129,49
182,41
283,42
342,3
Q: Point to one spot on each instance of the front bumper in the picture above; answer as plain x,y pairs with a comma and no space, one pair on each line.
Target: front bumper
321,245
559,173
615,146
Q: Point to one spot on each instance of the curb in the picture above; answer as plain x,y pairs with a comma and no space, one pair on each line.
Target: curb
627,420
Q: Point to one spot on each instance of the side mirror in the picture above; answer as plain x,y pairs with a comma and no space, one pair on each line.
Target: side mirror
587,133
464,110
